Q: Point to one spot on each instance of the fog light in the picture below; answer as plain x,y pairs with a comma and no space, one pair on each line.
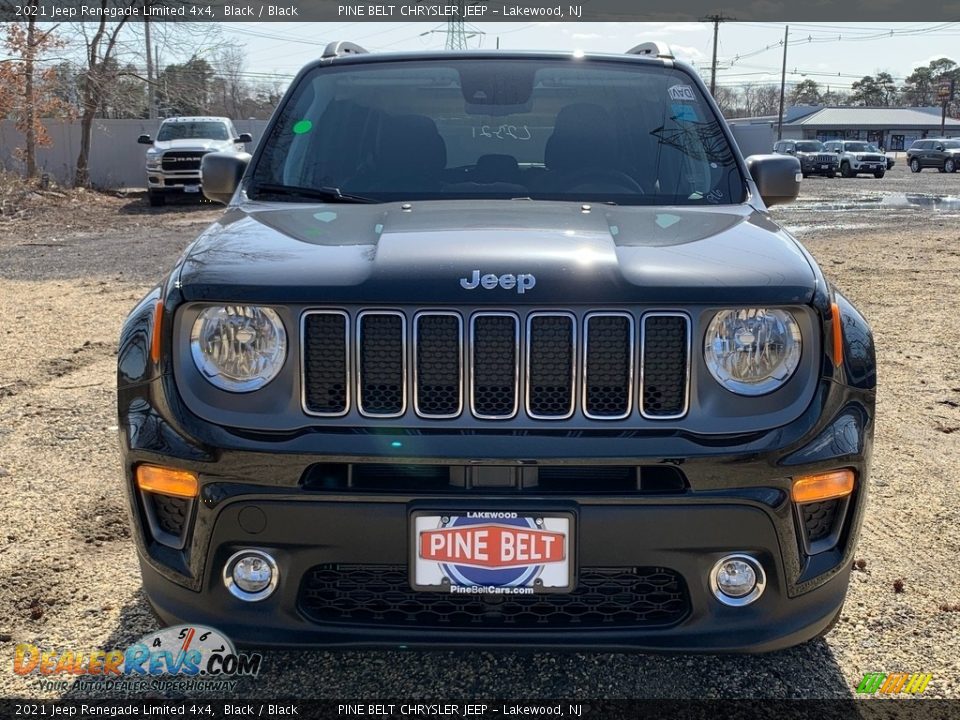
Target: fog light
737,580
251,575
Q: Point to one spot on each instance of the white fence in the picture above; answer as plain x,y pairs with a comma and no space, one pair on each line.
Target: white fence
116,160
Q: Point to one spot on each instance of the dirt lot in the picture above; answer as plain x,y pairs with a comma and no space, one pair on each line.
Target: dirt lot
69,273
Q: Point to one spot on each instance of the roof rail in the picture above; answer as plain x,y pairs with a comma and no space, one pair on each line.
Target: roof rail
654,48
340,48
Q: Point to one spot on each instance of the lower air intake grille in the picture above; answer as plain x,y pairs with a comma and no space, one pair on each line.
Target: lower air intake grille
819,519
605,597
171,513
664,366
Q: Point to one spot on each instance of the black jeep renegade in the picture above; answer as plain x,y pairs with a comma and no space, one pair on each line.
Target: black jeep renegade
498,349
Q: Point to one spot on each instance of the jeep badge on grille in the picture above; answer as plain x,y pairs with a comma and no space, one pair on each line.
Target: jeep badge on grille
522,282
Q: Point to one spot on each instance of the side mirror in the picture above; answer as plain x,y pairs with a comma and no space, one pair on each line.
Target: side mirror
220,175
940,148
244,138
145,140
777,177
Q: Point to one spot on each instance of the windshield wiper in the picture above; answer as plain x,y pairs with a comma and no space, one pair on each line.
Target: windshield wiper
327,194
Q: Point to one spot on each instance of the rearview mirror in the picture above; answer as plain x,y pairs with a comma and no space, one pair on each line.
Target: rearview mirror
220,174
145,140
777,177
244,138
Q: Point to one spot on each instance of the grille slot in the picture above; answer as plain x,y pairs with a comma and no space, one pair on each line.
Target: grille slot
352,594
325,363
608,359
664,373
551,357
495,340
438,364
382,366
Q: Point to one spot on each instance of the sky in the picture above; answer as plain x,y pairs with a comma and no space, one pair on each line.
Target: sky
834,55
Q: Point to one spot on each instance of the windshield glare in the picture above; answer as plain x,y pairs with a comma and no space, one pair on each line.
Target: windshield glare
627,133
861,147
812,146
193,130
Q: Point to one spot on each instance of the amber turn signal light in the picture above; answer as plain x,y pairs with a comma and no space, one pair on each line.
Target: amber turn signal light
167,481
837,335
823,486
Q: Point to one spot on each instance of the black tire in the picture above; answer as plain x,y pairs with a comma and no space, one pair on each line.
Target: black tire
941,170
156,199
806,175
915,166
846,171
950,165
879,174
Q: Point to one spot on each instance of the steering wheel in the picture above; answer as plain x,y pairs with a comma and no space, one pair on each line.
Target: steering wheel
587,180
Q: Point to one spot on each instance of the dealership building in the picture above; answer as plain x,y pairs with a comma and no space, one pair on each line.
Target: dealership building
893,129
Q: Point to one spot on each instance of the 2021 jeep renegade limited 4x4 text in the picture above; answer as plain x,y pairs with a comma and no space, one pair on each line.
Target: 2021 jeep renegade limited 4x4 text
498,349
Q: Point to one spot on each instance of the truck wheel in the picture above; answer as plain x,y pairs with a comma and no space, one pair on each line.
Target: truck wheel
157,199
950,165
915,165
846,171
879,174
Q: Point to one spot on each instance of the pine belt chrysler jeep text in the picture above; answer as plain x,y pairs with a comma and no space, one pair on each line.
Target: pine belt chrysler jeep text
498,349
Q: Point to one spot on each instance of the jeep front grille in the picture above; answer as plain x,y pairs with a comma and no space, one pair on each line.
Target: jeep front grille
496,365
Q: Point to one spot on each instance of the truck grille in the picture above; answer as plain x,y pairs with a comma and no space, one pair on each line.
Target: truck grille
604,597
549,365
182,160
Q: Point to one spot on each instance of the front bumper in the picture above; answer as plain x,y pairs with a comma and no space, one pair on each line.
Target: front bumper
165,181
810,167
735,499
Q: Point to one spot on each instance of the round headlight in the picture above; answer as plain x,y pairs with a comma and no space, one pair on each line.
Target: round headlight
752,351
238,347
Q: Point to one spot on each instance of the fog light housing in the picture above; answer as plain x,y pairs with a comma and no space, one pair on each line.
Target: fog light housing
251,575
737,580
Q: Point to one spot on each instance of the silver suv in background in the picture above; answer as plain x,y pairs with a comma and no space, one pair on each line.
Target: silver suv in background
813,156
858,157
173,160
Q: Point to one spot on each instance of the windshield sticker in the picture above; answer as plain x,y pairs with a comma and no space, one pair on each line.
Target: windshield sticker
683,93
302,126
325,216
665,220
686,113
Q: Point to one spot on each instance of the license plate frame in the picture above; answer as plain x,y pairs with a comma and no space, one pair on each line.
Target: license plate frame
429,574
191,188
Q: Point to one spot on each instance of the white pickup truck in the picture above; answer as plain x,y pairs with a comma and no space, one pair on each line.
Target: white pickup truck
173,160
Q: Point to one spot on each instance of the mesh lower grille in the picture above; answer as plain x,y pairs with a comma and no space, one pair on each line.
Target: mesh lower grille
171,513
439,361
495,365
381,350
664,392
609,361
550,358
325,363
604,597
819,519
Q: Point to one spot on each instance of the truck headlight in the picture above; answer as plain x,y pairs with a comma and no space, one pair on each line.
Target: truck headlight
752,351
153,159
238,348
859,157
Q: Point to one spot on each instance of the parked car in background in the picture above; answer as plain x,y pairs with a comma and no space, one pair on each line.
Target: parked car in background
813,156
940,153
857,157
173,160
891,161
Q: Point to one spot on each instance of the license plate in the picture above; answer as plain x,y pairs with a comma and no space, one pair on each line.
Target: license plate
191,188
824,167
481,552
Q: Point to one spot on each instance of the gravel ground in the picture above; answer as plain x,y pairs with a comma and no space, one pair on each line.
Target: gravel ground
70,271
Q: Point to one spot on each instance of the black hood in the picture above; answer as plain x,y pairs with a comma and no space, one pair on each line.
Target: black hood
384,253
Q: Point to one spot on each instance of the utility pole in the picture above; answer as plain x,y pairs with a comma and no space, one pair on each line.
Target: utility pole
783,82
716,20
151,91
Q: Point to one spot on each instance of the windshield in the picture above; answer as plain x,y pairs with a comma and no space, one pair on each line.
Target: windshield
860,147
193,130
812,146
627,133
